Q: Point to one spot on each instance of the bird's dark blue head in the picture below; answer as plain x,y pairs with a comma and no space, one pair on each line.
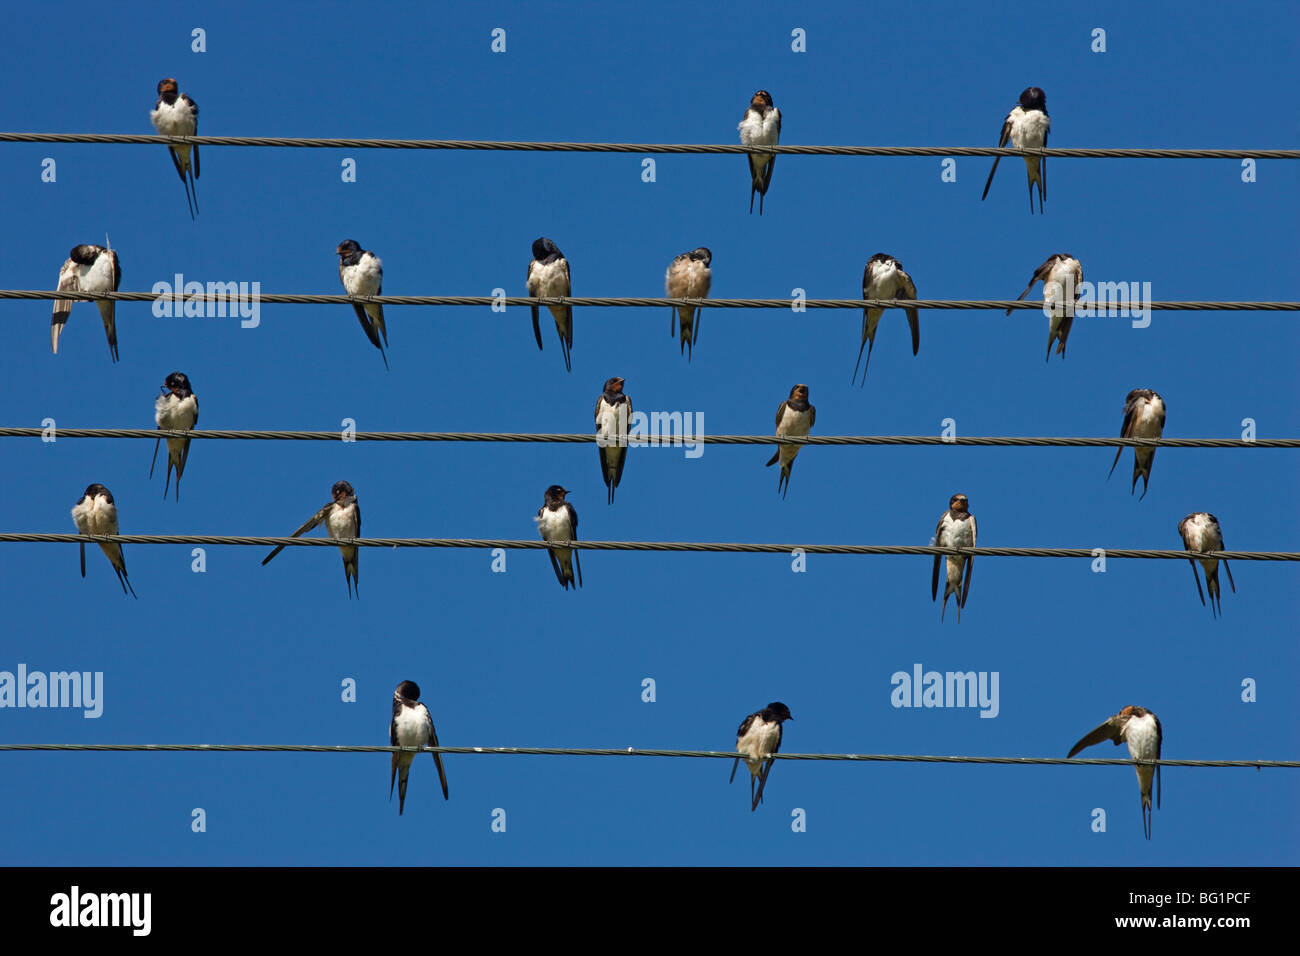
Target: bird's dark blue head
348,247
342,492
1033,98
408,689
555,494
614,385
702,254
777,711
178,384
958,502
96,490
168,89
544,249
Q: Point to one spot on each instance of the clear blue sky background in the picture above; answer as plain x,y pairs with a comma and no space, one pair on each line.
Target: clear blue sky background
250,654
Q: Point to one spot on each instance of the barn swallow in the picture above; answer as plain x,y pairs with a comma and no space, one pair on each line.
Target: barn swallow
177,408
613,412
884,278
557,521
688,277
1200,532
1062,279
1026,126
412,726
93,269
794,418
956,530
95,513
342,518
1144,417
760,126
758,738
362,273
548,276
175,114
1140,728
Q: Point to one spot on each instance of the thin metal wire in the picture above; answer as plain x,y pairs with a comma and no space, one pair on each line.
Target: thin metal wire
635,302
1125,152
24,537
581,438
641,752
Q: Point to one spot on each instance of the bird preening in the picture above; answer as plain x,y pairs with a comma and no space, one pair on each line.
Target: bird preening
1200,532
1140,729
176,409
342,517
412,726
548,277
96,513
362,274
95,270
688,277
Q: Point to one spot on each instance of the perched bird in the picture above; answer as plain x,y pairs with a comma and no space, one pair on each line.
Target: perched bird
558,521
95,513
548,277
1062,279
1200,532
1140,728
1026,126
884,278
1144,417
688,277
176,409
412,726
175,114
93,269
760,126
613,412
758,738
794,419
342,517
362,273
956,530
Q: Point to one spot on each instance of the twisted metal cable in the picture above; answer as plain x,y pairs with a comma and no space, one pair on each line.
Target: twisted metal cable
23,537
1125,152
634,302
634,441
641,752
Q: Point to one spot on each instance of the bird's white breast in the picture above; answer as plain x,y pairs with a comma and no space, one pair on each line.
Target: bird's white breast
1146,422
174,120
95,516
173,412
96,277
342,522
1143,740
794,423
759,130
554,525
364,278
548,279
1029,130
1203,535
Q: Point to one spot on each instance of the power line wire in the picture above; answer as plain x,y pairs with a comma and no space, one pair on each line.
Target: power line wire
633,302
1107,152
640,752
23,537
673,440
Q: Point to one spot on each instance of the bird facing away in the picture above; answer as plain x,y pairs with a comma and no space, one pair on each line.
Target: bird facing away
613,412
96,513
956,530
1144,417
760,126
558,521
1026,126
884,278
412,726
1200,532
795,417
548,277
175,114
1140,729
688,277
757,739
92,269
176,409
1062,279
342,517
362,273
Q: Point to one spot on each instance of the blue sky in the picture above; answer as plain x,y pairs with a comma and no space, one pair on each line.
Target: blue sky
250,654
